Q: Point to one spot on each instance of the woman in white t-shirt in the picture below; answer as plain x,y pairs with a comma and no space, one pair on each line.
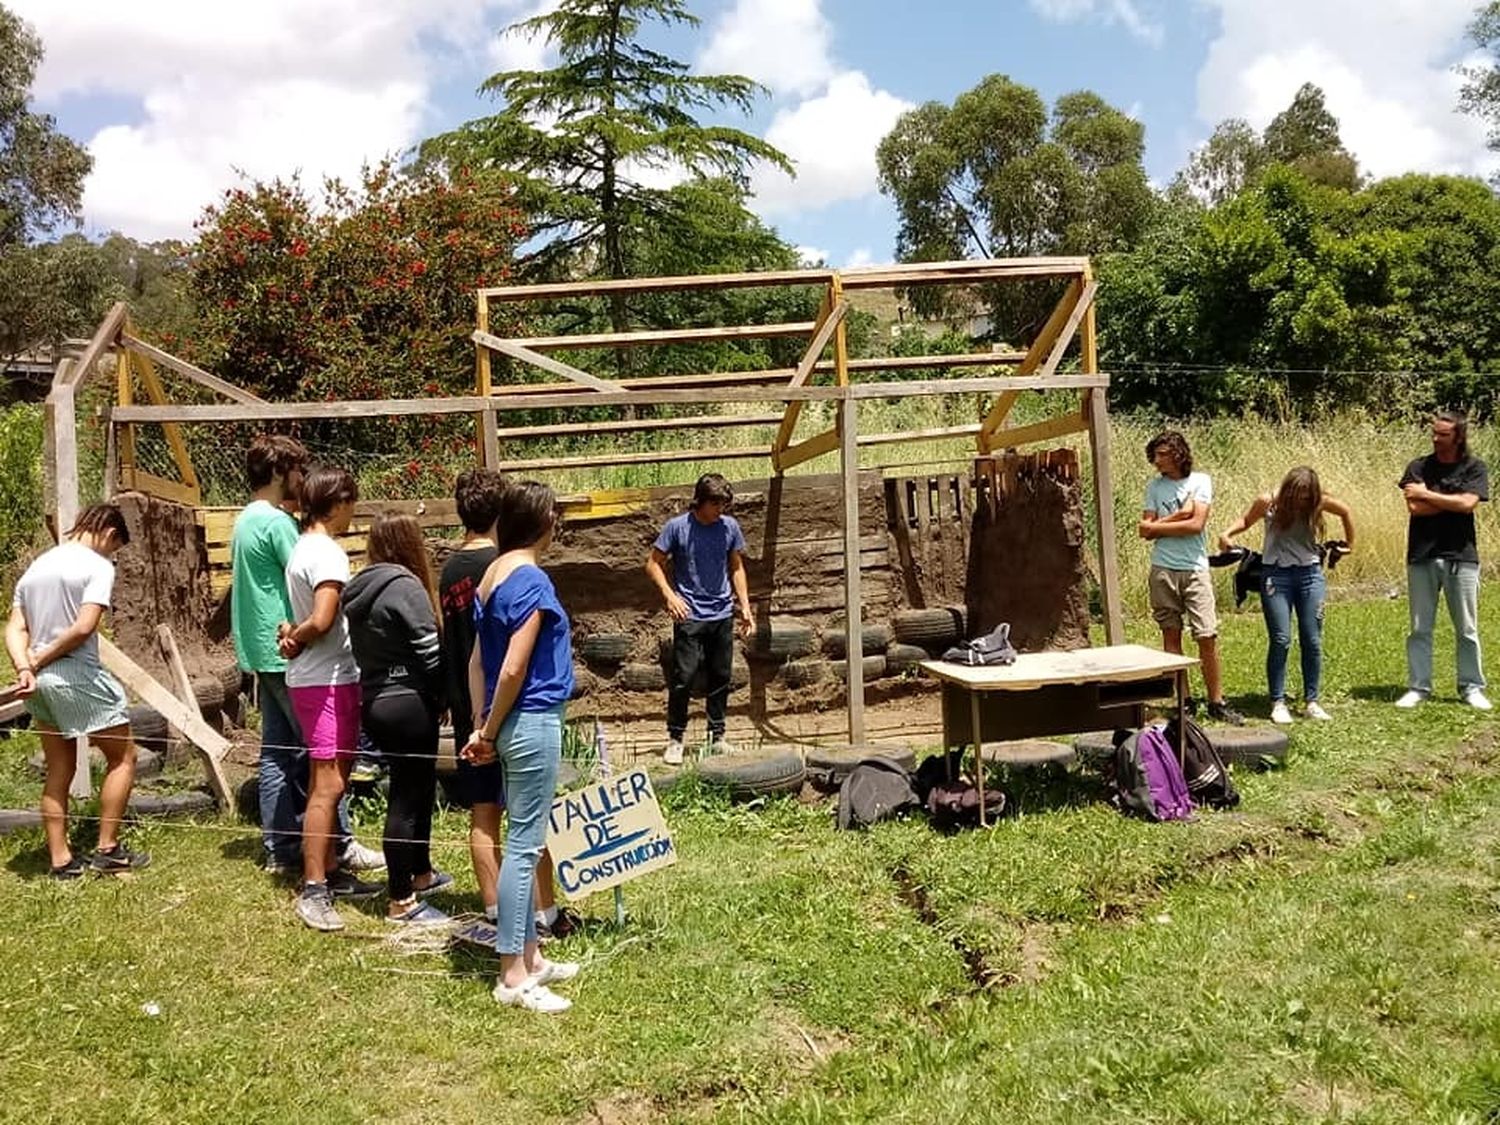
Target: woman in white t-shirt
52,638
322,679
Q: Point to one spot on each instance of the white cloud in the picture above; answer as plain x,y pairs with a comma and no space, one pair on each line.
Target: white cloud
1126,13
268,88
831,139
782,44
512,50
811,256
1387,74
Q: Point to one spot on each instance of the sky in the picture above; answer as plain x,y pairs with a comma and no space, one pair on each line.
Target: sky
178,100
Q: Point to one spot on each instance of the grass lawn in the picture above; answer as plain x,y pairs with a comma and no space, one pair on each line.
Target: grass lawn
1331,951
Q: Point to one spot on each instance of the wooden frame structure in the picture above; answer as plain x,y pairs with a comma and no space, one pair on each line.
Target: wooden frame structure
824,373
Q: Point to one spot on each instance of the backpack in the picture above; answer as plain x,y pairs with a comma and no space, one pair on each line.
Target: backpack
992,648
876,789
1148,781
1207,777
952,805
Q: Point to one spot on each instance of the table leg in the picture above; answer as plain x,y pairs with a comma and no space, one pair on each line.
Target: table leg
1182,690
978,754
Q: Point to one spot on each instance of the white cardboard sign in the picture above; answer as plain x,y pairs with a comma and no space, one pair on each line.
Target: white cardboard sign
608,833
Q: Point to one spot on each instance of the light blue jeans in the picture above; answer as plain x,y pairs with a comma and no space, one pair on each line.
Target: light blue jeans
1285,590
1458,582
530,750
282,776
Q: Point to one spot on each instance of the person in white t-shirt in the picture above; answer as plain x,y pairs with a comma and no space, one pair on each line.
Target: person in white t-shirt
322,678
52,638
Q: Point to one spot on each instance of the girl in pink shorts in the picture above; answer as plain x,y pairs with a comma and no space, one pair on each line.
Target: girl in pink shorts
321,677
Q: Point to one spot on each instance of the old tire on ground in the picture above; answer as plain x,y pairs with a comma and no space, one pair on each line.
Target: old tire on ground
1255,746
209,694
827,766
784,639
873,668
584,683
900,658
232,680
148,763
930,628
606,648
873,640
148,728
14,820
755,773
641,677
1026,753
663,777
172,806
804,673
1095,746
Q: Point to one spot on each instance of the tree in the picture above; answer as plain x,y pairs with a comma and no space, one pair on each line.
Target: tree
1305,136
576,139
1224,165
1480,93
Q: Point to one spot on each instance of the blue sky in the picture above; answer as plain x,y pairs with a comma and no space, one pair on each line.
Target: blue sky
175,98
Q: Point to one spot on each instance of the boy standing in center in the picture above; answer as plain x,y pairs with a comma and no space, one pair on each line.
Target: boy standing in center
1178,501
705,548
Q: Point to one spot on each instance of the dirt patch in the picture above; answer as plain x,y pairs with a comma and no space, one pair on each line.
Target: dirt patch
914,895
623,1108
1330,1101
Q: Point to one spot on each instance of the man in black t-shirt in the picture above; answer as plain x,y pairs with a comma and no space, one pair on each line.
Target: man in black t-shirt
1442,556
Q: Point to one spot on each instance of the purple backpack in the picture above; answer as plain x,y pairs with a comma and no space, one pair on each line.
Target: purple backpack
1148,779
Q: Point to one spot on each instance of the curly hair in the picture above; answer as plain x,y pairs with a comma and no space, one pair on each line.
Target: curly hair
1175,444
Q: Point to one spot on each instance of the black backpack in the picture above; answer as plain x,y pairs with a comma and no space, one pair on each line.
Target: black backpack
876,789
1207,777
952,805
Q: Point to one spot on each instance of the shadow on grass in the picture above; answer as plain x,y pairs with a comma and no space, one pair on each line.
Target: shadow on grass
33,862
1377,693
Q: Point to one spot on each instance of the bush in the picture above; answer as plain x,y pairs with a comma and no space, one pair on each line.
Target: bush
21,511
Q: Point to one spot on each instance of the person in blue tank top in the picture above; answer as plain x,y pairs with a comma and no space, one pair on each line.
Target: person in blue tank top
706,552
520,677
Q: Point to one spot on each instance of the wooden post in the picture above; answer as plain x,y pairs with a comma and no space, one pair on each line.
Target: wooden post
848,428
482,383
489,439
1104,513
62,429
125,435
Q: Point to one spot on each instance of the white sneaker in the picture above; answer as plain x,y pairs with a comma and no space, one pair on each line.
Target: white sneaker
1477,700
357,857
1411,699
672,755
1280,713
555,971
1315,711
722,745
532,996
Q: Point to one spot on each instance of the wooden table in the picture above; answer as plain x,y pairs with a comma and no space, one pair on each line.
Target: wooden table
1046,693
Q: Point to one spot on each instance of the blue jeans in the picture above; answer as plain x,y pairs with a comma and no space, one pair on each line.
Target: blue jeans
530,750
1458,582
1285,590
282,777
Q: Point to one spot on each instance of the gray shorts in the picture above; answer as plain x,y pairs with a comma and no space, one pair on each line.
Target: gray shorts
77,697
1179,594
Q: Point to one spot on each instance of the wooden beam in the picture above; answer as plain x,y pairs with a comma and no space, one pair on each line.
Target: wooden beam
482,385
125,396
705,282
103,339
841,336
815,446
172,430
1104,511
187,370
847,431
1088,339
380,408
600,460
138,480
670,336
489,439
168,644
1065,337
692,422
919,435
556,366
1071,423
211,745
1035,356
827,326
61,438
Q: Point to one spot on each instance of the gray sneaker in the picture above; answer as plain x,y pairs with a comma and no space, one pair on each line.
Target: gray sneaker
315,908
722,745
357,857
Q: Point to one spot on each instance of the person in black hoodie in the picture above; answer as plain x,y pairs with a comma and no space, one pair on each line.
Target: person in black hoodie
393,630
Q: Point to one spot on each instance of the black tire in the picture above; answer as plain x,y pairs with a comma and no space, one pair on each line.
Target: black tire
784,640
930,628
172,806
827,766
232,680
641,677
872,666
17,820
606,648
757,773
247,800
1095,747
584,683
664,778
209,694
873,640
900,659
804,673
148,728
1029,752
1255,746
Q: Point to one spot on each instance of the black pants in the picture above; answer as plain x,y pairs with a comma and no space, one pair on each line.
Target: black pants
404,724
709,644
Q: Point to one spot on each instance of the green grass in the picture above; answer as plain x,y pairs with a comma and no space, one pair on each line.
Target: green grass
1327,952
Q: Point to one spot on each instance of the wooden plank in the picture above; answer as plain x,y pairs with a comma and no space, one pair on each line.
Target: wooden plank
1035,355
82,784
172,430
211,745
1070,327
1088,340
602,459
138,480
1104,510
482,385
80,371
704,282
1038,431
218,523
380,408
589,429
125,396
840,337
180,680
827,327
535,358
670,336
1123,663
186,370
62,429
848,432
919,435
815,446
489,439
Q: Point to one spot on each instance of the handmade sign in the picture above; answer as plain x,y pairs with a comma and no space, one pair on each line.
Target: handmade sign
607,834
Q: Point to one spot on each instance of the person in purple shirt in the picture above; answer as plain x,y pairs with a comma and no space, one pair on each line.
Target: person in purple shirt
706,551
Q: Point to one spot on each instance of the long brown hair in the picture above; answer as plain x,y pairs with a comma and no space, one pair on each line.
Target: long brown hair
1299,502
398,539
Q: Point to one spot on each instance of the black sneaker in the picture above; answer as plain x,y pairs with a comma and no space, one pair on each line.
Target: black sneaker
73,869
345,884
1223,713
118,859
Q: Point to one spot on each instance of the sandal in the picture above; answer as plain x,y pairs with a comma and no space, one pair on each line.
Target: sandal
441,880
420,914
